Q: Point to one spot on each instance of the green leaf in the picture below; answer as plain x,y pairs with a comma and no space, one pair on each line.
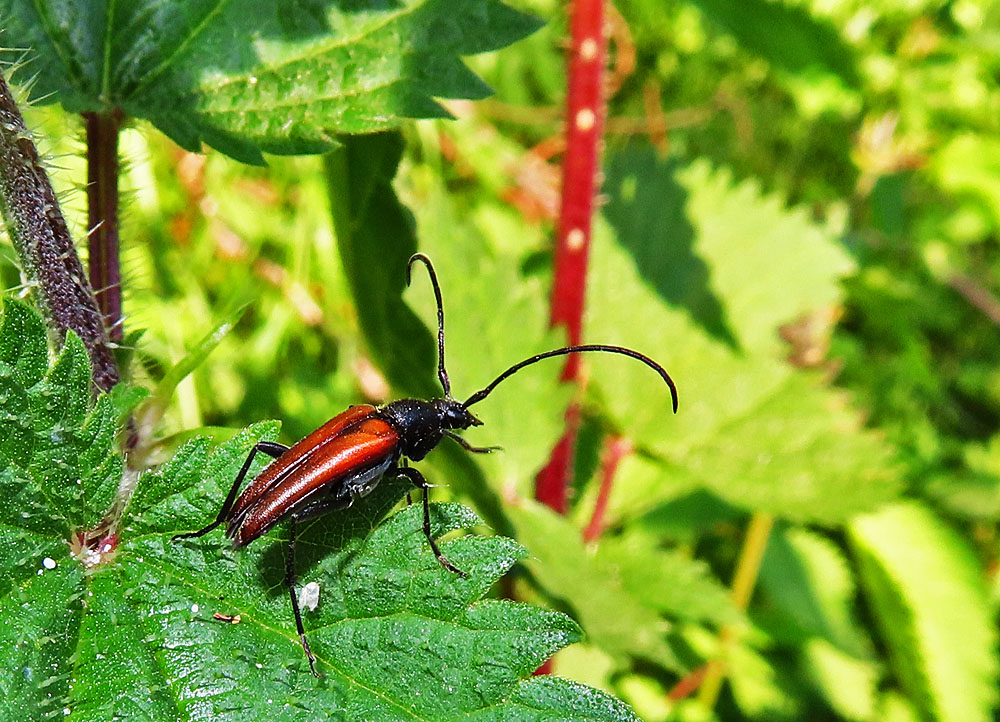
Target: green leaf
248,77
847,684
669,582
375,237
759,688
809,588
928,595
614,619
967,167
534,700
154,407
895,707
58,451
22,343
784,34
974,494
752,429
128,630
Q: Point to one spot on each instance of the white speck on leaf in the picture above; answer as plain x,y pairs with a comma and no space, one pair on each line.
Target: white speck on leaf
309,596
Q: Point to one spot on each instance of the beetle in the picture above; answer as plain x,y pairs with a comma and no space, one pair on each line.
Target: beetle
345,459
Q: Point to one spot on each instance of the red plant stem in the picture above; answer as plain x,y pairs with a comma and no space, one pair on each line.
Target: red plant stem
616,448
688,685
102,201
553,480
584,125
585,111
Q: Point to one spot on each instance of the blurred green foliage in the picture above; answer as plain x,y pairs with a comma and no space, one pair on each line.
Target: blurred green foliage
810,247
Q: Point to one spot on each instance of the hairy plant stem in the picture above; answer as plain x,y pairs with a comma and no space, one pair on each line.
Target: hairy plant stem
102,208
744,581
48,258
585,110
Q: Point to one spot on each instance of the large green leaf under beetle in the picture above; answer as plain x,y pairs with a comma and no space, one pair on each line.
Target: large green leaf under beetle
248,77
139,627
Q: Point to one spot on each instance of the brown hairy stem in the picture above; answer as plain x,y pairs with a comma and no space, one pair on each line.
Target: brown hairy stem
48,258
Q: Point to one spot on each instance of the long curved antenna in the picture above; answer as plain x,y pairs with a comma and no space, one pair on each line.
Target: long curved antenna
482,394
442,374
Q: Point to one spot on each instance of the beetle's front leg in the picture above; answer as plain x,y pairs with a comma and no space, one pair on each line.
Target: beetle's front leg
272,449
469,447
418,480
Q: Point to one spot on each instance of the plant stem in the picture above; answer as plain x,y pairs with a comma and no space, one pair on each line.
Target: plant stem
553,480
102,209
585,110
616,448
49,262
744,580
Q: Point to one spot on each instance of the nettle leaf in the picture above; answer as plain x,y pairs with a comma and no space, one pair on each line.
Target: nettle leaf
809,591
55,446
807,606
614,619
761,688
927,593
785,35
848,684
130,631
22,343
669,582
755,431
248,77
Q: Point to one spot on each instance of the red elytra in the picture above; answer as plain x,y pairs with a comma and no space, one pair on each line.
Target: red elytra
352,440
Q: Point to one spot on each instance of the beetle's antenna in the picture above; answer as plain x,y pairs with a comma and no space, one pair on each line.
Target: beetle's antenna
482,394
442,374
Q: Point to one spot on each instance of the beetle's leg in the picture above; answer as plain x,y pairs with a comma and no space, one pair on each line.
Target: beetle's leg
409,496
418,480
290,581
270,448
469,447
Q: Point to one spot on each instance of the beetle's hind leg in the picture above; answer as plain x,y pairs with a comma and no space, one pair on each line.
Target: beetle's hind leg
290,582
270,448
418,480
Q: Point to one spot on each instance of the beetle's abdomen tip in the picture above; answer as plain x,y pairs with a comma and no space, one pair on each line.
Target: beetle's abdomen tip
234,533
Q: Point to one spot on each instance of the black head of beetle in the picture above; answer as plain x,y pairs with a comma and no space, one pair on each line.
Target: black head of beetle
422,424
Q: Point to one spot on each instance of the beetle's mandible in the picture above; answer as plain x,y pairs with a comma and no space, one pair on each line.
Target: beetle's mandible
345,459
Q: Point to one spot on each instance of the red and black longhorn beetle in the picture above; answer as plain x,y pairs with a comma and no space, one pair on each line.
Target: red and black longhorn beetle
344,460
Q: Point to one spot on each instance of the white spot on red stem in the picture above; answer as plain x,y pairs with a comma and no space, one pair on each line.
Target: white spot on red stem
585,119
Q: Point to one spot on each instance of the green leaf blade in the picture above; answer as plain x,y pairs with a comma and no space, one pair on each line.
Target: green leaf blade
249,77
22,343
750,428
534,699
930,601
